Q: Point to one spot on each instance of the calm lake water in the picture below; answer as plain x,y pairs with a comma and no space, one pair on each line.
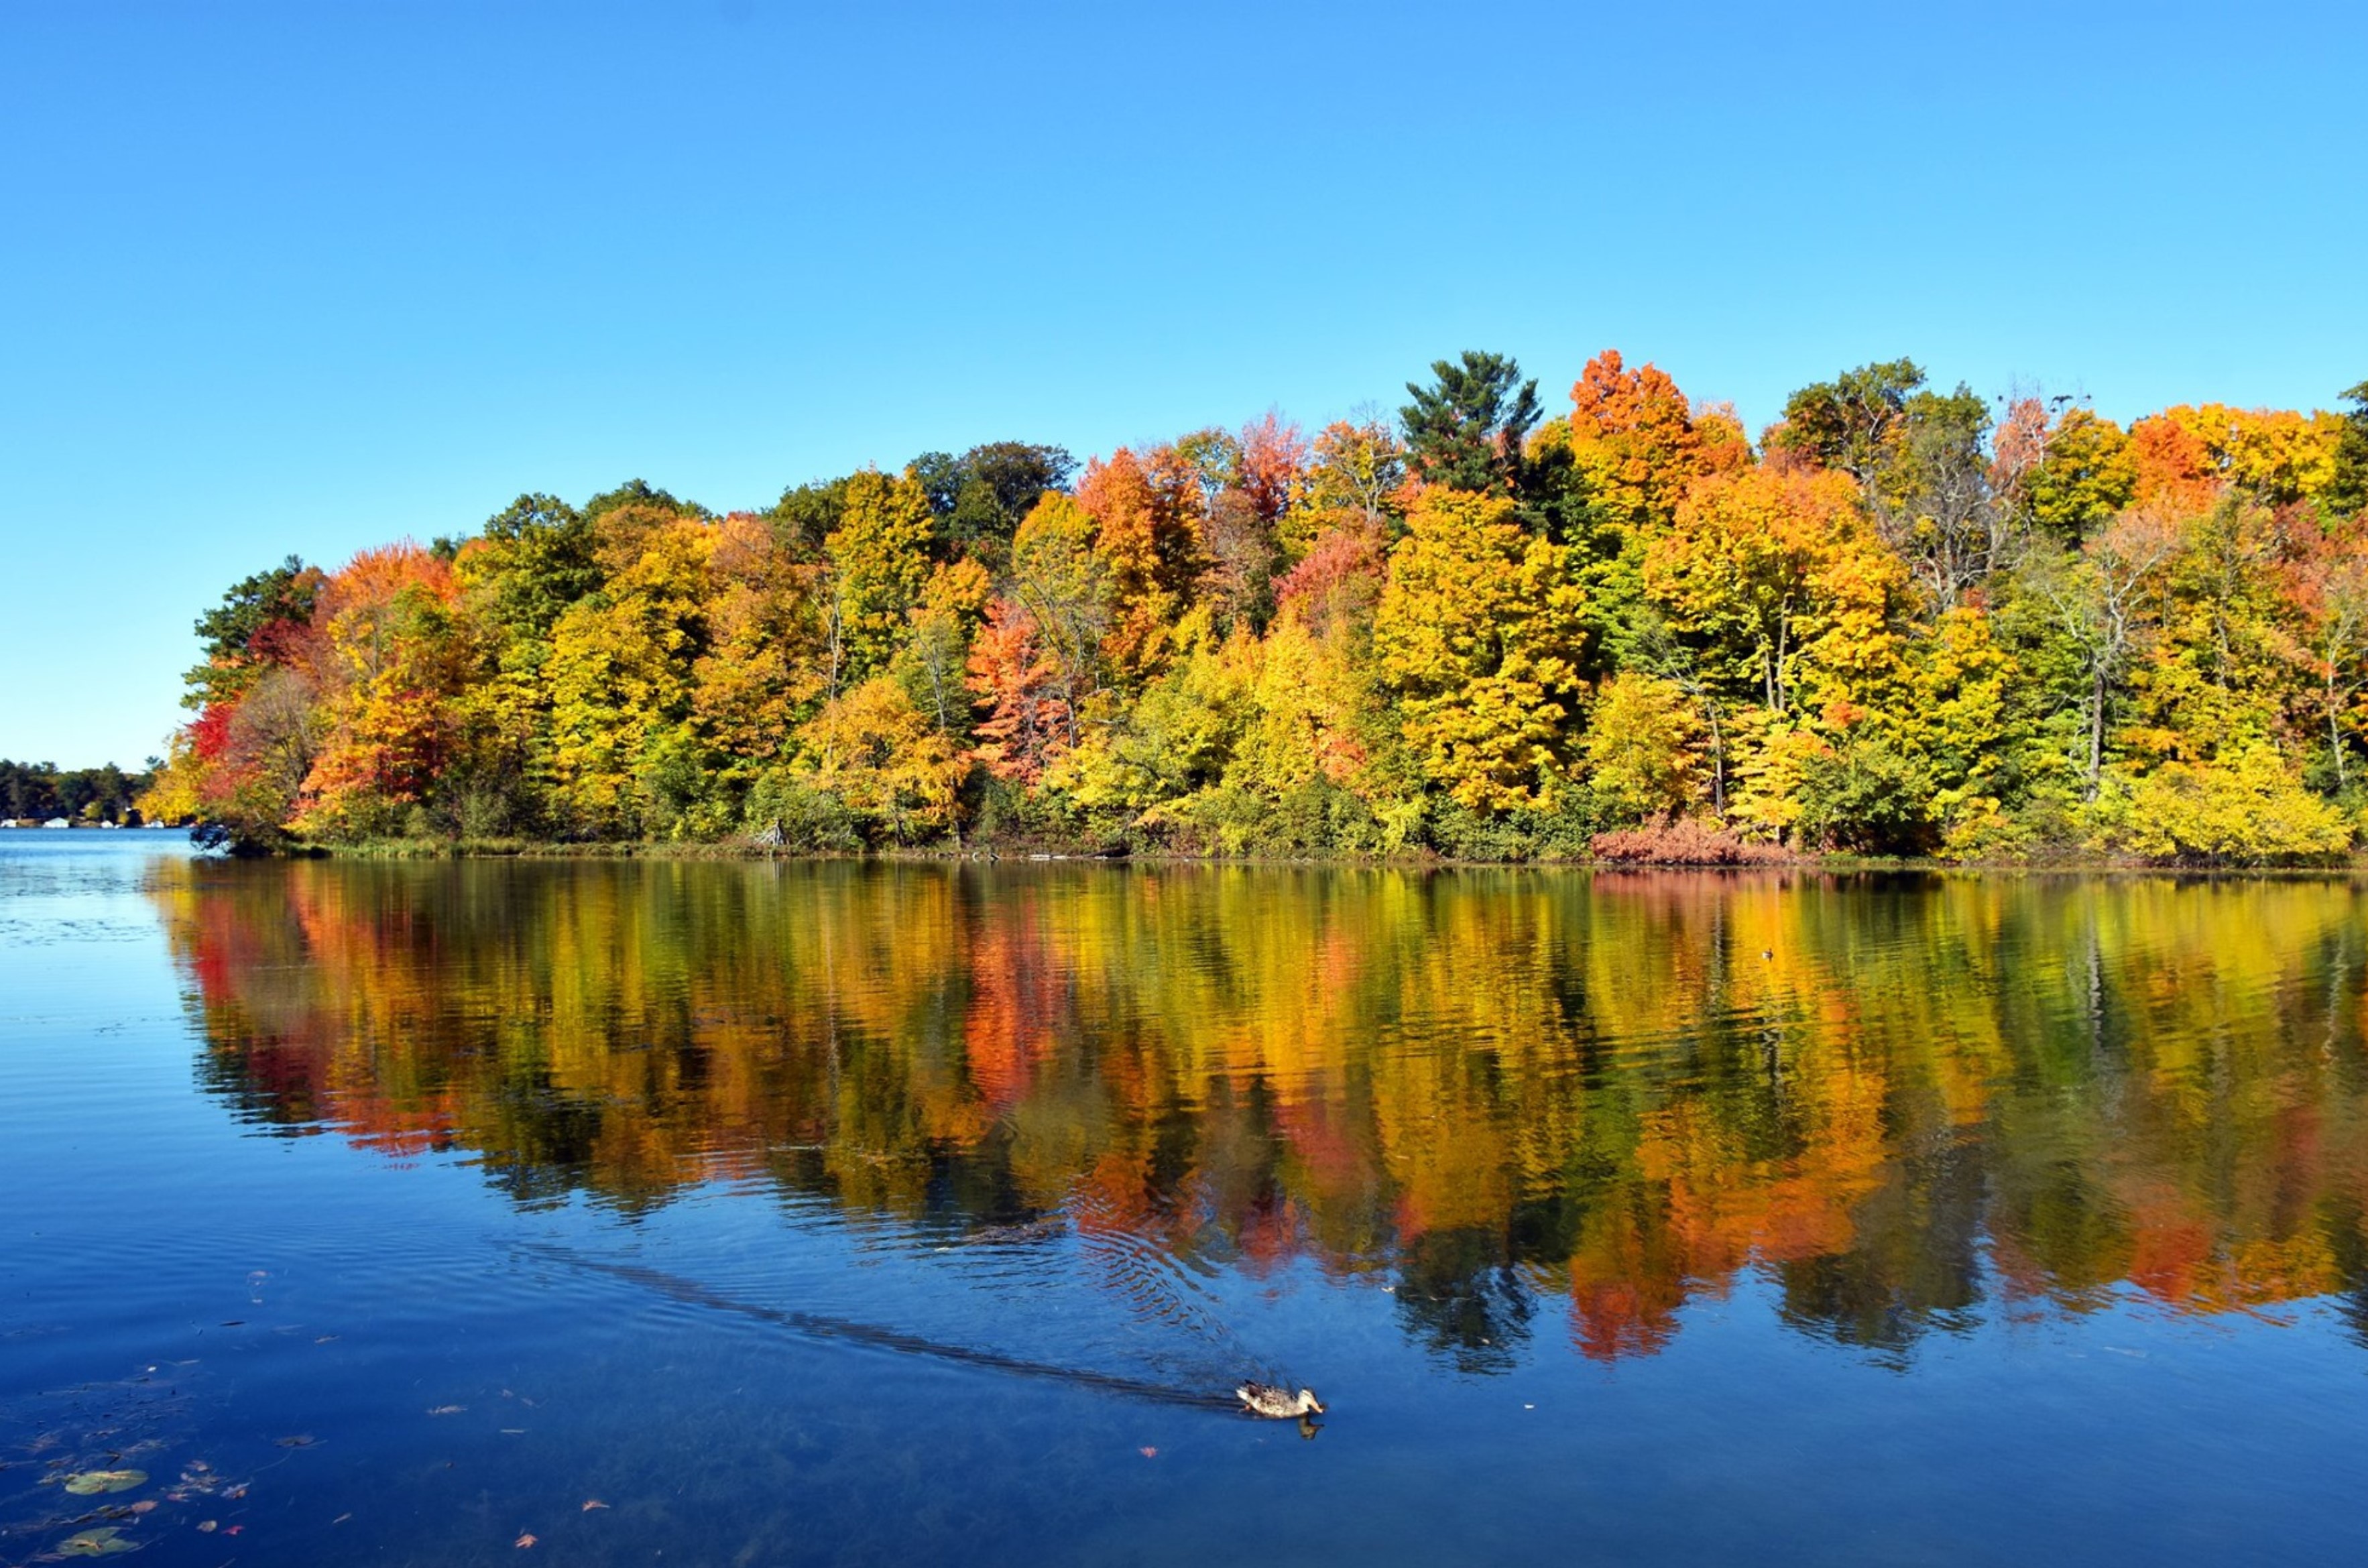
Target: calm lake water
744,1214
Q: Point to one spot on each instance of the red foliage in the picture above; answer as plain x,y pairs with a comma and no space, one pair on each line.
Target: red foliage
1274,456
1018,681
1339,577
1685,841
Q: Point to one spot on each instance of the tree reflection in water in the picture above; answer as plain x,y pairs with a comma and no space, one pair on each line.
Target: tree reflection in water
1504,1095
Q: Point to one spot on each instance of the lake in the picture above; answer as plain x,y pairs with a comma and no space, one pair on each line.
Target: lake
784,1213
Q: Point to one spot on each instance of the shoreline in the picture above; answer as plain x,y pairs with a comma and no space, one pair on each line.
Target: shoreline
2352,867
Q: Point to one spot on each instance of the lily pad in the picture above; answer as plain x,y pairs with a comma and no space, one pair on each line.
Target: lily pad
91,1483
104,1541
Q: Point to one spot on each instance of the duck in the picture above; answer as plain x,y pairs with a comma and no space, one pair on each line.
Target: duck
1278,1405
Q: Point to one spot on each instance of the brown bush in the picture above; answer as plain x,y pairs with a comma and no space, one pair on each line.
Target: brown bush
1686,842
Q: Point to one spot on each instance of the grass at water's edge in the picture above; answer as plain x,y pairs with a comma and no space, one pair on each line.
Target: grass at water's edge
539,849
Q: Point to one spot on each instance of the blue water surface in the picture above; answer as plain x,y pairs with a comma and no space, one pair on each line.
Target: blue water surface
358,1318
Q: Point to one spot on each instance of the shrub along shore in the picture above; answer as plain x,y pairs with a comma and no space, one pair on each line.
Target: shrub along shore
1902,622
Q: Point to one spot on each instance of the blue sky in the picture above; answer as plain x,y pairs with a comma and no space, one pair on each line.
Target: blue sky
304,279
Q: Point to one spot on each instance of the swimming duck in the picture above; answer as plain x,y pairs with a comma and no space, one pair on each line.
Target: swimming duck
1278,1405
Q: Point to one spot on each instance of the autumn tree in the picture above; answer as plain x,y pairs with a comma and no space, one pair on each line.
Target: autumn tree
1641,750
2100,598
1478,633
1851,423
1147,538
935,659
1764,567
878,752
259,624
2080,475
879,562
1355,472
1029,699
1635,443
1064,582
394,664
2327,586
623,756
763,665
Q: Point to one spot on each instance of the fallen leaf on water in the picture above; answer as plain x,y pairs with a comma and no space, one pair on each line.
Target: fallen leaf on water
145,1505
91,1483
302,1440
592,1502
1148,1453
208,1527
447,1410
104,1541
523,1542
235,1493
232,1529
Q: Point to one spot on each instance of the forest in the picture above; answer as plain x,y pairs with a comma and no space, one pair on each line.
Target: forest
41,791
1902,621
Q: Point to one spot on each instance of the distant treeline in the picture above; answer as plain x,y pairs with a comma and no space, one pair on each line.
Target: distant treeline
1902,620
42,791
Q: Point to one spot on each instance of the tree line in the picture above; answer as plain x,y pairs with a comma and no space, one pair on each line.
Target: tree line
1902,620
42,791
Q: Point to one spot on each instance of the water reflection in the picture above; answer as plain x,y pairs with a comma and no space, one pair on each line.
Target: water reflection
1534,1105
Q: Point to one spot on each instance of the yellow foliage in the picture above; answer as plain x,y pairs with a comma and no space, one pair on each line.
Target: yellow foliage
2248,808
1644,749
876,750
1479,630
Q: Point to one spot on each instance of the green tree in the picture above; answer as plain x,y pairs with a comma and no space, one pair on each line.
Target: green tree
2347,495
979,498
1466,429
255,625
1850,422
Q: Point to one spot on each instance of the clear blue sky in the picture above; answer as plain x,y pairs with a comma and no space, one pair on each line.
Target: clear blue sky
307,278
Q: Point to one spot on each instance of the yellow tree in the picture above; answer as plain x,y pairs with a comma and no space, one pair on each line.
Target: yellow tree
1479,633
1775,570
621,673
877,751
878,556
935,655
1644,749
763,669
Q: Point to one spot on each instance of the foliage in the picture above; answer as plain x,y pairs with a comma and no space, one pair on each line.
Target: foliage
41,791
1466,429
1643,746
879,753
1472,631
2249,808
1479,633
